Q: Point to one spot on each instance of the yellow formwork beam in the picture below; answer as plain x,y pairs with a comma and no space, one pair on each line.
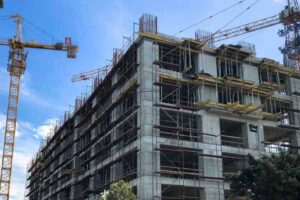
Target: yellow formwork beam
209,79
237,82
241,107
180,43
161,38
234,107
211,104
174,78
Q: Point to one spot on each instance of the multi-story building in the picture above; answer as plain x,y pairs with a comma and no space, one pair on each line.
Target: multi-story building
172,117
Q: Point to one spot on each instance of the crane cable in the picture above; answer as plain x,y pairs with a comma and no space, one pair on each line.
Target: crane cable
210,17
232,20
39,29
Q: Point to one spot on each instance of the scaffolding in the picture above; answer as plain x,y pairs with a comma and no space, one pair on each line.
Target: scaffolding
101,131
179,138
170,104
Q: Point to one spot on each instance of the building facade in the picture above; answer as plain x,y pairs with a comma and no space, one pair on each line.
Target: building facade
172,117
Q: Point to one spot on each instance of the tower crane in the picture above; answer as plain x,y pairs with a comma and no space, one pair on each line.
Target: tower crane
16,68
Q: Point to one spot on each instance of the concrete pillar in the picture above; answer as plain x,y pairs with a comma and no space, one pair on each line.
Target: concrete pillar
147,155
212,166
253,134
261,139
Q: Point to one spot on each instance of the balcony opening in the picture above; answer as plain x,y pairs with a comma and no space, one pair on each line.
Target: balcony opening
233,133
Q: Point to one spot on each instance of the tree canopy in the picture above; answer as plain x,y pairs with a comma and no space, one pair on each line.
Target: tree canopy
275,177
119,191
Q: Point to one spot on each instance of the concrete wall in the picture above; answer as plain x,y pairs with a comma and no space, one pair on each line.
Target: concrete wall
207,63
250,73
208,93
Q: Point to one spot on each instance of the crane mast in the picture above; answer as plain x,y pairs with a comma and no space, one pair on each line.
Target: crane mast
16,68
290,31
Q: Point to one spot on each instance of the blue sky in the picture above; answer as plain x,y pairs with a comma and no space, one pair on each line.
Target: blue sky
97,26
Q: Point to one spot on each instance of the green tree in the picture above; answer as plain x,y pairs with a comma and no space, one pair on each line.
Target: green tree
119,191
275,177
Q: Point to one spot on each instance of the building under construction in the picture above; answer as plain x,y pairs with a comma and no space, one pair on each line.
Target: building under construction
172,117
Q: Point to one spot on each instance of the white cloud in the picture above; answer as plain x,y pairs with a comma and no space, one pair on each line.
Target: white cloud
20,163
25,148
44,129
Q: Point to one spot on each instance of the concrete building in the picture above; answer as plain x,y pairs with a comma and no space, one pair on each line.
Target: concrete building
173,118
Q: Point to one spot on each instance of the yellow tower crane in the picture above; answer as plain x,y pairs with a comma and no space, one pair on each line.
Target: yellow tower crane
16,67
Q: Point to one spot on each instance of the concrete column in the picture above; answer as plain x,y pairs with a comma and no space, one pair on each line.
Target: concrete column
212,166
147,155
261,139
253,134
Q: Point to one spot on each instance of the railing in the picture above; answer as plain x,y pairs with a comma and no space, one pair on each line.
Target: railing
233,141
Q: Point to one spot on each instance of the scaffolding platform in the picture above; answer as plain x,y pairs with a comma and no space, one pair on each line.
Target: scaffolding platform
167,64
180,43
159,37
235,52
233,107
272,116
178,79
241,108
268,86
210,104
206,79
195,44
269,64
238,82
210,80
280,100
